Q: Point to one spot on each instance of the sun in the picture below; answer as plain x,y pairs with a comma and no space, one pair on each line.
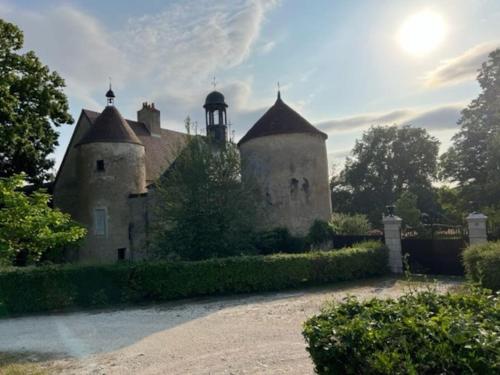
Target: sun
422,32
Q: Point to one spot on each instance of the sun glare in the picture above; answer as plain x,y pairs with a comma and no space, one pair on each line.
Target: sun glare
422,32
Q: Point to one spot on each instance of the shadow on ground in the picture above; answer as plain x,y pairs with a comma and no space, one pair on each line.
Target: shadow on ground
82,334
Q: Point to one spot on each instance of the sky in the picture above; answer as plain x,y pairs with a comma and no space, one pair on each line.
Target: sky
344,65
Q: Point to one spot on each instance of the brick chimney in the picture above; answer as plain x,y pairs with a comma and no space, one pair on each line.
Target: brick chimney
150,116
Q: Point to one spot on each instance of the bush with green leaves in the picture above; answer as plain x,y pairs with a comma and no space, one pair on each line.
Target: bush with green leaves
45,288
320,234
279,240
419,333
482,264
29,226
350,224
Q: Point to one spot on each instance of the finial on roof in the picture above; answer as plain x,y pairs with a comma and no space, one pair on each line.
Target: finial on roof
214,82
279,93
110,94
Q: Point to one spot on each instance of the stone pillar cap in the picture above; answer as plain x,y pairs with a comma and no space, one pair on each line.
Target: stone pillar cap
477,216
391,219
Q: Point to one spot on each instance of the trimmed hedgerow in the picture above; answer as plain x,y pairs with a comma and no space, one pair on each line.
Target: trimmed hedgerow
46,288
420,333
482,264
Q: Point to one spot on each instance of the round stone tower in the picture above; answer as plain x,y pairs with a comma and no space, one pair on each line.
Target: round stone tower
111,166
284,157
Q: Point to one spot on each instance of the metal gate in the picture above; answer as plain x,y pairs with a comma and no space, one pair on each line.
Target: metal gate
435,249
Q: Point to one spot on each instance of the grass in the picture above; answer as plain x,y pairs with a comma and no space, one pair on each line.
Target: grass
18,364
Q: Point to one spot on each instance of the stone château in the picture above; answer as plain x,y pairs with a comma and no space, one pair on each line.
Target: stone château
106,180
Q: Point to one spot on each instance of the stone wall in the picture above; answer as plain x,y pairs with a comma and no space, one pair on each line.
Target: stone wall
290,173
124,174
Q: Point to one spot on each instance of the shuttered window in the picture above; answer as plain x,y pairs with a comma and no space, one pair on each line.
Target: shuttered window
100,221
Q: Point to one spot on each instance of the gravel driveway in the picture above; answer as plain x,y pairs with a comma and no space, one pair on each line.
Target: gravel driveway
257,334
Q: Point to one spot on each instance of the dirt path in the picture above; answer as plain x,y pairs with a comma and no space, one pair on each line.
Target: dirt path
237,335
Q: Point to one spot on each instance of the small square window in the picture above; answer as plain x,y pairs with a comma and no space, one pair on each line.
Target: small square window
100,165
121,254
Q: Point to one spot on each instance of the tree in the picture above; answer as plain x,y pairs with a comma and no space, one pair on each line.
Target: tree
28,225
406,209
31,103
473,161
386,161
452,205
203,208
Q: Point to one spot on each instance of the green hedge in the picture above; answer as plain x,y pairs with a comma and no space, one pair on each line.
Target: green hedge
420,333
482,264
25,290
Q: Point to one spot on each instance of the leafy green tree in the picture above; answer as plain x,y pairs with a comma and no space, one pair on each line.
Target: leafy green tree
452,205
29,225
32,103
204,210
473,161
386,161
406,209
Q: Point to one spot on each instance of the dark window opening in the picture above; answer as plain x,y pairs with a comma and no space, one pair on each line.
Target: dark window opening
121,254
100,165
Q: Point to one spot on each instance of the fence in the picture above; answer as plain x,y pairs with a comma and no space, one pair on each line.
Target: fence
432,249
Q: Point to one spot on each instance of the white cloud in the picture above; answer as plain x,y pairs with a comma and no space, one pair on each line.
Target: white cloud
436,118
267,47
460,68
191,40
172,54
72,43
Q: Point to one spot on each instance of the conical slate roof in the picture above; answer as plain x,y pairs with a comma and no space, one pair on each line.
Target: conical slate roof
280,119
110,126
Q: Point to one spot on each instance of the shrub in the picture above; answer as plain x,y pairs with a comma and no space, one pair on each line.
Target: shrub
345,224
279,240
45,288
319,234
420,333
482,264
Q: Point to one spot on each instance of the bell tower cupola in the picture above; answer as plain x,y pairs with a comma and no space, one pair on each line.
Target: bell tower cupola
216,117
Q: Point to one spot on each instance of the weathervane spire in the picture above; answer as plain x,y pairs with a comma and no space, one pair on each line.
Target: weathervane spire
110,95
279,93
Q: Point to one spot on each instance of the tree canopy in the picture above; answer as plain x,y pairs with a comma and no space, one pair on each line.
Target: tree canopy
32,103
29,225
386,161
473,161
204,210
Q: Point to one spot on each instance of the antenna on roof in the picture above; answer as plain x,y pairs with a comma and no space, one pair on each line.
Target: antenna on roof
214,82
279,93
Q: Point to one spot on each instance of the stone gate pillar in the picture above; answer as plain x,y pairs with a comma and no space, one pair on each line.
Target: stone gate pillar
392,234
476,222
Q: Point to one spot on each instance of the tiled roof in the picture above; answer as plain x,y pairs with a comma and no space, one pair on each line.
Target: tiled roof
110,126
160,150
280,119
